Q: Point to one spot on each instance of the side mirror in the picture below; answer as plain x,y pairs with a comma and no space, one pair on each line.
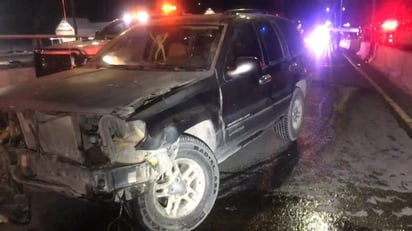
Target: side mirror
245,66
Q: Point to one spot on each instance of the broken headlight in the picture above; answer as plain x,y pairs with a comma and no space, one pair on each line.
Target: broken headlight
120,138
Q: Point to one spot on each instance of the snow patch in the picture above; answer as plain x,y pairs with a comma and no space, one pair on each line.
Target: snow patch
404,212
374,200
378,211
361,213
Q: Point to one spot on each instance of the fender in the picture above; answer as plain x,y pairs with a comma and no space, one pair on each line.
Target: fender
303,85
206,132
182,111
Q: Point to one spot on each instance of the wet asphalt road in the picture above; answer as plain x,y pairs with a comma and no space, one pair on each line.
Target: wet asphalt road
349,170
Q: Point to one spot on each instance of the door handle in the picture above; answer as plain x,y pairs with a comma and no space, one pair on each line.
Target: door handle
265,79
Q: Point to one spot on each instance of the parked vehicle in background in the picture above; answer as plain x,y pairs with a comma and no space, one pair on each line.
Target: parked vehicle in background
68,55
391,25
396,33
149,118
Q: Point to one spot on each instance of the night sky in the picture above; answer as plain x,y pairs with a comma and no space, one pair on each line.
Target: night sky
41,16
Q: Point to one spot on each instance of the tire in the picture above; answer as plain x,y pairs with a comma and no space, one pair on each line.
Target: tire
280,129
290,126
154,209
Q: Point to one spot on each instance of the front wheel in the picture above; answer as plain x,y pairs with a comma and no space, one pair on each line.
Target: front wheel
184,195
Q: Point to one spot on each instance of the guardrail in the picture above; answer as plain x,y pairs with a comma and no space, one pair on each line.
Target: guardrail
38,36
41,40
16,50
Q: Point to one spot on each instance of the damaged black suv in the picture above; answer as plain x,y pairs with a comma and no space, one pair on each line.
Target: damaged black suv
148,120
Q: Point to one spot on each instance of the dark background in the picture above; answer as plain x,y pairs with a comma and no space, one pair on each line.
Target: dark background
42,16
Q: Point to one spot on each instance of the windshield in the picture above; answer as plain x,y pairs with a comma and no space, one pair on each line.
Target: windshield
177,47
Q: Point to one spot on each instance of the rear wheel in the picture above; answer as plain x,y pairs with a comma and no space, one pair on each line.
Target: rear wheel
290,126
183,196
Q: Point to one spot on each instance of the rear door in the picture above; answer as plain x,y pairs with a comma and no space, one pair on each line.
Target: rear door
296,60
277,65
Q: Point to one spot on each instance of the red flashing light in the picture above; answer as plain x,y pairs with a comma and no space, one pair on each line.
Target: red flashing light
390,25
168,8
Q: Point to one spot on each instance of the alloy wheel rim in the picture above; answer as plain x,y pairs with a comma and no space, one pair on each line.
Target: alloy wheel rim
179,191
297,114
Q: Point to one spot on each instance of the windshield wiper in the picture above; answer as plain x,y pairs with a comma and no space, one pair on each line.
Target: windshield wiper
125,67
178,68
150,66
189,69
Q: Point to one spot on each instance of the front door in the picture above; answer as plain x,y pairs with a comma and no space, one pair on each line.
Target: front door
245,98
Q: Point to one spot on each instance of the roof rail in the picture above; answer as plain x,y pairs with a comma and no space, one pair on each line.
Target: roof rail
247,11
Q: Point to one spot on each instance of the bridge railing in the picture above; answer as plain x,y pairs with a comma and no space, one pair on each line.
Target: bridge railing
16,50
37,40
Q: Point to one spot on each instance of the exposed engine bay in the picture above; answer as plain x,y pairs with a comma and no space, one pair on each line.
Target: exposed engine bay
88,154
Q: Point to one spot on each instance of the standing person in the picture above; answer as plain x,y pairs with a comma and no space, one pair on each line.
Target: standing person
337,40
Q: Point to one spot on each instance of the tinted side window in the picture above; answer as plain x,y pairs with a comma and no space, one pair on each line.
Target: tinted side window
270,41
243,43
292,36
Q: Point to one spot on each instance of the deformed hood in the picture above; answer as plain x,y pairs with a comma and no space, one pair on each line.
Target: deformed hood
88,90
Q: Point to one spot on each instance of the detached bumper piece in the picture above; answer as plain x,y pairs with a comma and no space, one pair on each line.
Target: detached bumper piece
55,60
73,179
48,64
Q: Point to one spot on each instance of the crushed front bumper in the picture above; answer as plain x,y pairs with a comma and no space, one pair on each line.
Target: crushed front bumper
71,178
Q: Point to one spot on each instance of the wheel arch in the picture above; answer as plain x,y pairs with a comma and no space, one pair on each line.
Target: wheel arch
302,84
193,109
205,132
199,122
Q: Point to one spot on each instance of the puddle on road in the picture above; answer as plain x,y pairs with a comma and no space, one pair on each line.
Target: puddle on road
251,210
